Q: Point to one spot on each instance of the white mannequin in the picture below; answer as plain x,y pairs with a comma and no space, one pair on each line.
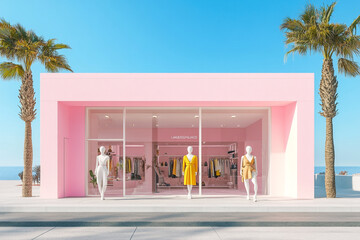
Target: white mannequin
102,171
254,174
190,157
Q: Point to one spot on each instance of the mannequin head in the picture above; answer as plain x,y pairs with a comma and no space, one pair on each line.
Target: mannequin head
248,150
102,150
190,149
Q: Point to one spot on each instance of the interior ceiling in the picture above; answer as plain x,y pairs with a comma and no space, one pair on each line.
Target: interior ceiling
179,119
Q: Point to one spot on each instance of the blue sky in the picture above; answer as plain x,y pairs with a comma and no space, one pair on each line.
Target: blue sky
176,36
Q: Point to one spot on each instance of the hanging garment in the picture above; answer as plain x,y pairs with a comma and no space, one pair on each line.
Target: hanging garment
223,167
178,168
174,168
212,169
128,165
142,168
132,165
171,164
190,168
247,168
120,163
209,170
217,167
136,166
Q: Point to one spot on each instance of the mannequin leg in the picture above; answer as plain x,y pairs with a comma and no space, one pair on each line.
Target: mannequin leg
104,184
189,187
99,180
246,183
254,181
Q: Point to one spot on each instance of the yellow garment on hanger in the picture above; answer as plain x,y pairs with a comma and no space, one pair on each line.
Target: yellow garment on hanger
247,168
217,169
174,167
190,168
128,165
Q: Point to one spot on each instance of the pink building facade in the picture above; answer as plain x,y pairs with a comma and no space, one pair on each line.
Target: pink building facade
147,120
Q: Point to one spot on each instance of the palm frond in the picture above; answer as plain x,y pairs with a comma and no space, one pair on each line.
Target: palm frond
9,70
326,13
348,67
309,15
301,49
25,47
50,57
353,25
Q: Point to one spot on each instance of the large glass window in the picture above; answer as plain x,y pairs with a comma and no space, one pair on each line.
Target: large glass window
105,128
156,141
157,138
225,134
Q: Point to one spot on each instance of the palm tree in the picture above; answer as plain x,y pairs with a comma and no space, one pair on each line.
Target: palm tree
313,32
23,48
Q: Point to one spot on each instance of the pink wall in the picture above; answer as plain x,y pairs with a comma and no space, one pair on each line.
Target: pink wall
71,151
273,90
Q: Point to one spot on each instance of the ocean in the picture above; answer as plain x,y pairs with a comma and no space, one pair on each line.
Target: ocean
11,173
350,169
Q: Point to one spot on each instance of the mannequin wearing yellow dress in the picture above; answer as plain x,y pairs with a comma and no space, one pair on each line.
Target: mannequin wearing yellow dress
249,171
190,168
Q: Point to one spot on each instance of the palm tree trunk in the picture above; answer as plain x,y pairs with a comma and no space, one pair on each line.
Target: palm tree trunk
328,94
329,160
28,159
27,114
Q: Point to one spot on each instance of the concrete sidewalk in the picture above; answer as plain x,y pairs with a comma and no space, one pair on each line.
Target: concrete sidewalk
11,201
180,220
174,233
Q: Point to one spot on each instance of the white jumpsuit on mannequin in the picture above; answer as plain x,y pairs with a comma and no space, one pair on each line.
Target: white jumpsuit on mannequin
102,172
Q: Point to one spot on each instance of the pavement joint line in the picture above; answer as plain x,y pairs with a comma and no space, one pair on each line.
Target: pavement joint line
216,232
44,233
133,233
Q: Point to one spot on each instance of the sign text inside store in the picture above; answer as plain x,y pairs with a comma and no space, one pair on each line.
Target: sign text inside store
183,137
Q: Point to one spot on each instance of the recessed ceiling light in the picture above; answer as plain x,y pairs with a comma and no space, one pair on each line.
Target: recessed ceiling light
233,116
196,116
107,116
155,116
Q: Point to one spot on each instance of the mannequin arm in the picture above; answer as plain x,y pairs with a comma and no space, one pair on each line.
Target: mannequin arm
96,165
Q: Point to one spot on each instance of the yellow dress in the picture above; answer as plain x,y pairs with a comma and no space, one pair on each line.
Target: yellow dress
189,169
247,168
174,167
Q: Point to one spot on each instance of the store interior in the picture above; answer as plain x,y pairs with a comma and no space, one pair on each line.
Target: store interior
156,139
